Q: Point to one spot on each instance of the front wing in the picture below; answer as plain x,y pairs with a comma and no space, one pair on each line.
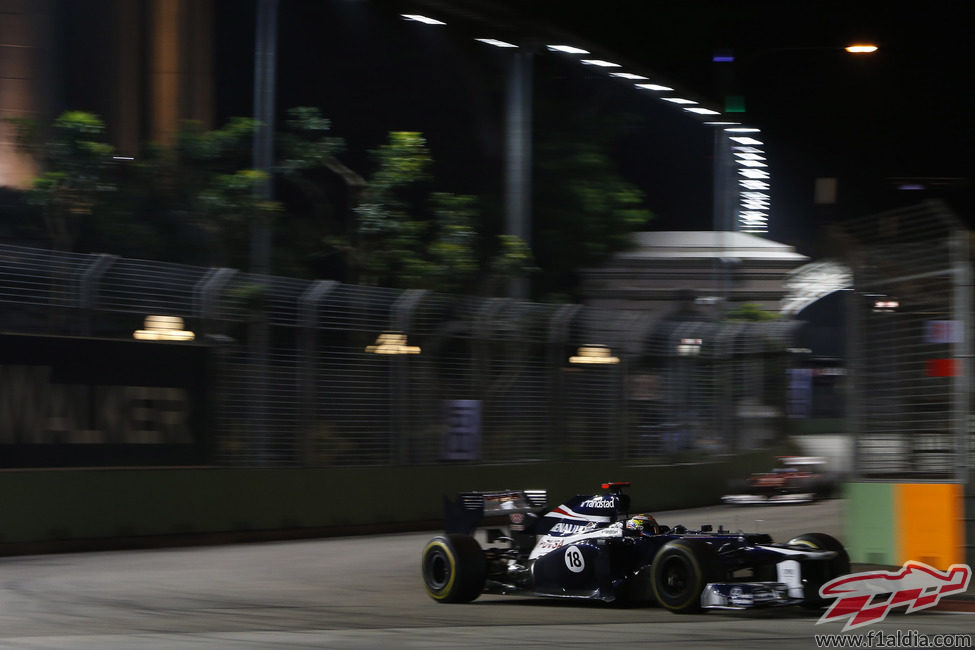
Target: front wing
787,589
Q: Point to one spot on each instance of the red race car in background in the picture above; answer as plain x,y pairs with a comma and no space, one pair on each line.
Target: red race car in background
795,479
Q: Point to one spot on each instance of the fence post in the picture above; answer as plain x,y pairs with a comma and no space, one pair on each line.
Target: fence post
962,307
308,304
401,318
206,295
558,337
89,284
854,370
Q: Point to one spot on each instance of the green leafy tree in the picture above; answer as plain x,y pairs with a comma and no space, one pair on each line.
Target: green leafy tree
76,178
319,190
407,235
200,195
583,211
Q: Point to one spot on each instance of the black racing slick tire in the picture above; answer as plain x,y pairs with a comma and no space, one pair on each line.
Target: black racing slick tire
679,573
454,568
815,575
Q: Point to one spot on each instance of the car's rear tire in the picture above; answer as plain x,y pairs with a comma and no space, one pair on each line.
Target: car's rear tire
454,568
679,573
816,575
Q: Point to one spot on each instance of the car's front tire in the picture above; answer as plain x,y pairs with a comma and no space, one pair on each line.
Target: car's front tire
818,574
680,571
454,568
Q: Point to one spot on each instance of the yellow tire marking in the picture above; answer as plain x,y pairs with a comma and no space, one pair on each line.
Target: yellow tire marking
443,593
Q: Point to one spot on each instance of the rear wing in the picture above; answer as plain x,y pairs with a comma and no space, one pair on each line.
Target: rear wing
470,508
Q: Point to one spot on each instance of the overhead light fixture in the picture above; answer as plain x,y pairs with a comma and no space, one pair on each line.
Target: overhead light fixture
678,100
861,48
743,129
392,343
163,328
752,184
753,173
426,20
495,42
566,49
701,111
749,155
599,63
594,354
721,123
627,75
654,87
745,140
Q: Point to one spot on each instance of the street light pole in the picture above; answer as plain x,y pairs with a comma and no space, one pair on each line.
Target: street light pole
265,69
265,66
518,158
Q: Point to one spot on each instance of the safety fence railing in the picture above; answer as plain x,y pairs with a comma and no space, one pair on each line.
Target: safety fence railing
301,373
910,323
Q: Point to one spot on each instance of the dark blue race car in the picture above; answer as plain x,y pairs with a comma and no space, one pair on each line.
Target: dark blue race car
592,547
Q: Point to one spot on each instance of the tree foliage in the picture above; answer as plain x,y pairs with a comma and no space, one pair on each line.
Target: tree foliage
584,211
77,174
407,235
195,202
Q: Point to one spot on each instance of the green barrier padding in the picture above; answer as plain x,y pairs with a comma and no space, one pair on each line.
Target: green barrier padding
869,523
72,504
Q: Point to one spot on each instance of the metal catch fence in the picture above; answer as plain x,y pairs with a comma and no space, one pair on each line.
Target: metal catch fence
911,328
301,373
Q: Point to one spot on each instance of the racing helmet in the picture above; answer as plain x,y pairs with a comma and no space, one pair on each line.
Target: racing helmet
643,524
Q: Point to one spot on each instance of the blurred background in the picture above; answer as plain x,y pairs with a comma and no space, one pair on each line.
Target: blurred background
353,233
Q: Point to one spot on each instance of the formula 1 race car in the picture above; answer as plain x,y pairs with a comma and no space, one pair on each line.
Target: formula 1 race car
591,547
794,479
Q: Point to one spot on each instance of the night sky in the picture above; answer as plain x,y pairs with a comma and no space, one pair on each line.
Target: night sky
902,112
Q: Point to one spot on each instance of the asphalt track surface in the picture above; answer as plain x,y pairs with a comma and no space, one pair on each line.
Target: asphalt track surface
365,592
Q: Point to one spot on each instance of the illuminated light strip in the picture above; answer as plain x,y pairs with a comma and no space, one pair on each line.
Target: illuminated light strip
702,111
495,42
426,20
678,100
654,87
745,140
627,75
753,173
599,63
566,49
749,184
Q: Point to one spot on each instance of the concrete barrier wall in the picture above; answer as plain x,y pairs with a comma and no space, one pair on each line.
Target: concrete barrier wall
39,507
891,523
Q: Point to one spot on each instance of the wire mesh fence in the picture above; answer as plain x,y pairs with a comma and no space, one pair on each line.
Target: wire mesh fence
299,374
912,333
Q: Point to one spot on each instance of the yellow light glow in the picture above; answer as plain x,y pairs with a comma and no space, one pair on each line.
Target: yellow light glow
392,343
861,48
599,354
163,328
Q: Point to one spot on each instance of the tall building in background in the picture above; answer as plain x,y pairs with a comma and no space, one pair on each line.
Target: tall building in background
143,66
27,78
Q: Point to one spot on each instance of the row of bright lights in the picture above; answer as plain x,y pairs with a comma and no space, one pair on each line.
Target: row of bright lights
688,105
753,180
